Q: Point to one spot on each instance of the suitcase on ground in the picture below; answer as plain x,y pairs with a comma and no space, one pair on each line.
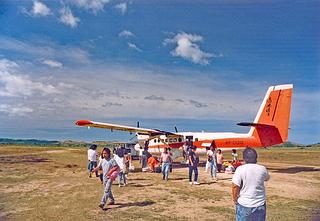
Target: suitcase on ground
157,169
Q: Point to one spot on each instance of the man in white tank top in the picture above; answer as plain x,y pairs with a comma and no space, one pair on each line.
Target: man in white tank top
248,191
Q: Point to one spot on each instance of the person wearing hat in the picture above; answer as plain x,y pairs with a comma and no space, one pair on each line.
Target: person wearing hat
248,191
193,165
92,158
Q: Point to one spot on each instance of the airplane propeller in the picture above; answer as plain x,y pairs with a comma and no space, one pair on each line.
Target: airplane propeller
135,135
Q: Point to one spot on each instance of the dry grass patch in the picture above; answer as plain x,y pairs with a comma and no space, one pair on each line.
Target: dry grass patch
40,183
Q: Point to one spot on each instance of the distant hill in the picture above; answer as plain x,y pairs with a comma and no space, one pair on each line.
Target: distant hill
293,144
32,142
313,145
67,143
289,144
70,143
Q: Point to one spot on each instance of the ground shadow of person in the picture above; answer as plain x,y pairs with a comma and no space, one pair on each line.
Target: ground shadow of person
139,185
122,205
179,178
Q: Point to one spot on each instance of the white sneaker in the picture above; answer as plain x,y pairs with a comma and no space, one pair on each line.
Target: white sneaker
196,183
190,183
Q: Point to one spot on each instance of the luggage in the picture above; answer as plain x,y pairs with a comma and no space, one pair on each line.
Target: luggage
157,169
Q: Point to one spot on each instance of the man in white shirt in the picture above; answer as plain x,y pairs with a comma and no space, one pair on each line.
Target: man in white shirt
92,158
119,158
248,191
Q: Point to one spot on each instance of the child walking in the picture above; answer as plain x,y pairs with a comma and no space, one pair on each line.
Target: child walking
108,166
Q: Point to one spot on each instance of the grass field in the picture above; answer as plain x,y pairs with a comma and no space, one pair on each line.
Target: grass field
39,183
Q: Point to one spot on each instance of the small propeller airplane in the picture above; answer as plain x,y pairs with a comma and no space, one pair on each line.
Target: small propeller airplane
270,127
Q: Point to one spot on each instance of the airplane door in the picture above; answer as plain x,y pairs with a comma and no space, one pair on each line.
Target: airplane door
189,140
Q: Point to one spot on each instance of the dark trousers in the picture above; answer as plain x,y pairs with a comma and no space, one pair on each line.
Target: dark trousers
195,169
219,167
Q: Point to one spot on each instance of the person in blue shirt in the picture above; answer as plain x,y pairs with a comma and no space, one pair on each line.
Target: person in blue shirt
193,165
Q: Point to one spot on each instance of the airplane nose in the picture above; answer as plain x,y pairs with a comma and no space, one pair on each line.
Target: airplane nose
83,122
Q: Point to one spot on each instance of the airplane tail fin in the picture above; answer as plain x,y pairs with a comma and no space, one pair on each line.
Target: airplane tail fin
272,121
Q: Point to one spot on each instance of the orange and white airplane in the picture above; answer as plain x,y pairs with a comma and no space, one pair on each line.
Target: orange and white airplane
270,127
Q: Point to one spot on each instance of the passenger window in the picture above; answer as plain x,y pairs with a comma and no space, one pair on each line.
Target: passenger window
196,139
179,139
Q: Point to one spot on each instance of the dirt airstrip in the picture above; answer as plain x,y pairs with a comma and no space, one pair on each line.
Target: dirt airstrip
40,183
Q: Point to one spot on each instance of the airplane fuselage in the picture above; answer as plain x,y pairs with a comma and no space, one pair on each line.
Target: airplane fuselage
202,140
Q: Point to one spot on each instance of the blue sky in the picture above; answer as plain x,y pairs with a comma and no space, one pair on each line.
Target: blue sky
200,65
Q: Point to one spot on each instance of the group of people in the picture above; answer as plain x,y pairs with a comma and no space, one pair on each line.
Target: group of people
153,163
215,160
248,190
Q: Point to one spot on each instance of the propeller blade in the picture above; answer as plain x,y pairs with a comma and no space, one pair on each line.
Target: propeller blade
133,137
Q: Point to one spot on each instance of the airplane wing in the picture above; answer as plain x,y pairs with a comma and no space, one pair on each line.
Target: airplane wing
151,132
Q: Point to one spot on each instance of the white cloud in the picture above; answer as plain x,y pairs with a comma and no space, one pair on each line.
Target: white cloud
68,18
41,49
52,63
6,64
100,91
188,49
91,5
136,89
134,47
15,110
15,85
40,9
122,8
126,34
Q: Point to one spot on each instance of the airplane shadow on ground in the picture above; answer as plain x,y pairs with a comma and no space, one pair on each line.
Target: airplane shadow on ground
139,204
292,170
176,165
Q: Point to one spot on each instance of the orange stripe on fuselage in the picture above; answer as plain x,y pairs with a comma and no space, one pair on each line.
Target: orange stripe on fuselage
221,143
